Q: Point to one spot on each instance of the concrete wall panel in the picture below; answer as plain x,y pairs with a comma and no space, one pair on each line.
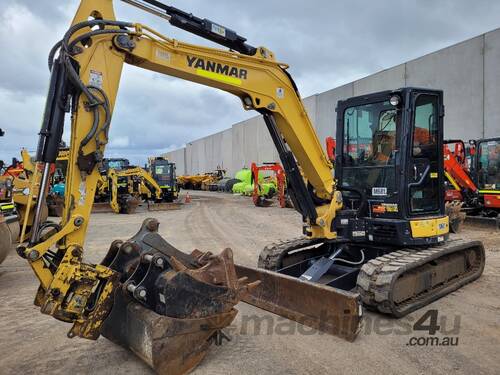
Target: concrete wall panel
206,154
457,70
311,107
226,151
325,112
179,158
467,72
388,79
492,84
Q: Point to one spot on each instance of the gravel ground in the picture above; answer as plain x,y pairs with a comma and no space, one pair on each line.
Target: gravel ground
32,343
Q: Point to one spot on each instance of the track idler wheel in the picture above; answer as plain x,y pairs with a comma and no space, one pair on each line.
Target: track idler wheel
171,305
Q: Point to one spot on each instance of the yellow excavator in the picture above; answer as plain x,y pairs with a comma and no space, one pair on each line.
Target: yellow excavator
26,191
376,231
19,189
9,219
138,184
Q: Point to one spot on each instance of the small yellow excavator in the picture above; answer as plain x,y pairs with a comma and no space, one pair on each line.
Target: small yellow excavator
136,184
164,173
376,231
26,192
9,220
19,190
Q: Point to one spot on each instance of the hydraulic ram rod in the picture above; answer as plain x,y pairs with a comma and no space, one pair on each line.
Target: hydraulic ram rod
202,27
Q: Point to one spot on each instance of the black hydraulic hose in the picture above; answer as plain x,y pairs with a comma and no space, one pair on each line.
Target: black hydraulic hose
92,23
75,78
105,104
95,33
72,30
49,224
52,54
93,129
66,48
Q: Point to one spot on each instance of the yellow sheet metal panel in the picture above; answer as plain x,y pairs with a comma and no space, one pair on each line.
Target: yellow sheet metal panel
429,227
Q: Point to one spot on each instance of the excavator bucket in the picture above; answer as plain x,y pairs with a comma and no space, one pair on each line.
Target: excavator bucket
260,201
324,308
454,211
170,306
9,234
55,204
168,345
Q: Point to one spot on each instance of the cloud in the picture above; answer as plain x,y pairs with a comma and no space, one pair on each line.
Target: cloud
326,43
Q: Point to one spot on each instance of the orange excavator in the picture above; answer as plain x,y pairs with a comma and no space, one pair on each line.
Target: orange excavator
472,179
259,199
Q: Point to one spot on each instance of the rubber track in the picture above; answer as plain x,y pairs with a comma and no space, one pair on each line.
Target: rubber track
378,276
271,254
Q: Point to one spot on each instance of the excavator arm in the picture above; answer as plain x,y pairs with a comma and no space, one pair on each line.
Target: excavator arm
86,66
137,172
147,180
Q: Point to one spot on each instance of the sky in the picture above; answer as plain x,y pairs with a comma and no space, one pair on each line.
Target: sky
326,43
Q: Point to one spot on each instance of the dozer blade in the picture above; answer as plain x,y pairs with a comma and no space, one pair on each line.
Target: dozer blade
101,207
483,222
9,234
327,309
170,306
164,206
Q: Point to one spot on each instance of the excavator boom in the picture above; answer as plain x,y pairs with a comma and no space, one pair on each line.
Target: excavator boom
182,293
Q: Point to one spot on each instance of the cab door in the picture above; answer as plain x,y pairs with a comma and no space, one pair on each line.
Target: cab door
425,167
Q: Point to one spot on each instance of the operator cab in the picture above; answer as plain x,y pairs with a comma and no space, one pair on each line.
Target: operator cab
486,171
389,167
163,173
488,164
117,164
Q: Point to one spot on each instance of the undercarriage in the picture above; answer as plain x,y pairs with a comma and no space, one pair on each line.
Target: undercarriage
394,281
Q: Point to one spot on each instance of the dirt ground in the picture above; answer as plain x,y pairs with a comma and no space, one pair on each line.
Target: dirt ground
33,343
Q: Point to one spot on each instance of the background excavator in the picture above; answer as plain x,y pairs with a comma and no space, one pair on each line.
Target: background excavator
259,196
122,187
203,181
163,173
486,171
473,178
168,306
128,186
9,219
